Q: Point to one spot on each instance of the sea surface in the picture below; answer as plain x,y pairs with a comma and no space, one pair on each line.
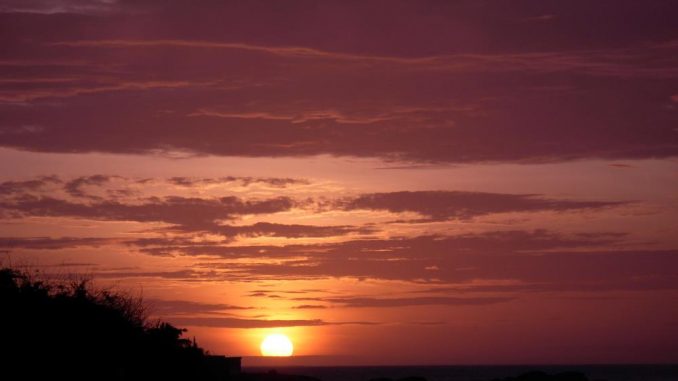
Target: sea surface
478,373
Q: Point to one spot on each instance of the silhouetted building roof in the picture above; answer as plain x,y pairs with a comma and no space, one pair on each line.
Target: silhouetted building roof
220,367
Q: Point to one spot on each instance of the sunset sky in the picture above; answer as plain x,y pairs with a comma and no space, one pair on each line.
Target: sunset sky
385,182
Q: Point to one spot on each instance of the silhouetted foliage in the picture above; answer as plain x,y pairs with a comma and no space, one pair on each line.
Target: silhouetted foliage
69,330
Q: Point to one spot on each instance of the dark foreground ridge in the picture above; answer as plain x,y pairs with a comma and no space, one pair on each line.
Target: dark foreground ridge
541,376
273,376
71,331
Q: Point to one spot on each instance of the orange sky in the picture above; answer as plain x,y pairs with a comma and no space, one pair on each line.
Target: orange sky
384,182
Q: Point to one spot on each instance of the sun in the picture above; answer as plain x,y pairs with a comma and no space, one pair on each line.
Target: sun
277,345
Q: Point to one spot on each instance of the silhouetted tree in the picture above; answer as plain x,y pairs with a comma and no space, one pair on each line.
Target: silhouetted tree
69,330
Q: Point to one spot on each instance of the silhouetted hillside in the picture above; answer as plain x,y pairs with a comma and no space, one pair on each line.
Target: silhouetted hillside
71,331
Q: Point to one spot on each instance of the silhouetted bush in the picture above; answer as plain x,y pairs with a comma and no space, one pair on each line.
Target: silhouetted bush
69,330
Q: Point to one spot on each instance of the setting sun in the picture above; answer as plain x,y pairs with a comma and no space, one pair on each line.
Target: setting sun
277,345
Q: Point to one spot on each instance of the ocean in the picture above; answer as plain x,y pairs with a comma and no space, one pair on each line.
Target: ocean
478,373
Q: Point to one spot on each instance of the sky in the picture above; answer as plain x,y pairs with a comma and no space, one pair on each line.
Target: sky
385,182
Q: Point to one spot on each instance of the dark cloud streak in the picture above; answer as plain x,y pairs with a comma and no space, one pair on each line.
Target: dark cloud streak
258,323
443,205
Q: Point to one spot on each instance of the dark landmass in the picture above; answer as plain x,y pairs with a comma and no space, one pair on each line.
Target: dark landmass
541,376
69,330
273,376
531,376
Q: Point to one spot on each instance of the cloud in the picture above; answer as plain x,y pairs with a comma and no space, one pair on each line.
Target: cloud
50,7
21,187
184,275
309,307
453,136
276,182
426,93
540,18
183,307
257,323
521,256
47,243
444,205
65,91
75,186
285,51
381,250
186,211
115,186
73,264
289,230
306,116
188,215
587,62
188,246
364,302
525,262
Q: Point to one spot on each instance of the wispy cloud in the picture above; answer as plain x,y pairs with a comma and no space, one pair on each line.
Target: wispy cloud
442,205
258,323
617,62
51,7
49,243
275,182
417,301
165,307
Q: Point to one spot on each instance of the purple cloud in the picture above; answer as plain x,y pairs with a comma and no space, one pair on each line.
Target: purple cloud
48,243
257,323
493,82
183,307
364,302
443,205
75,186
275,182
